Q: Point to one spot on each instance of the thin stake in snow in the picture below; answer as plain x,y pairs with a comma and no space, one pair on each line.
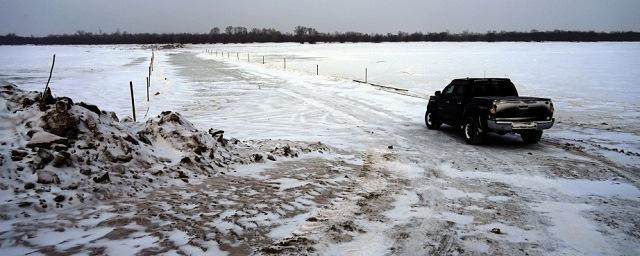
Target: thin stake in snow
366,74
317,69
285,63
50,73
263,60
238,55
149,75
248,58
133,104
147,89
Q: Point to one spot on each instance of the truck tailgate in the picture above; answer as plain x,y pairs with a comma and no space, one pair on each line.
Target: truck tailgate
523,109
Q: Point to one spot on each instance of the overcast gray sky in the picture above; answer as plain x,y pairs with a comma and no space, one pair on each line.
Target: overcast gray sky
41,17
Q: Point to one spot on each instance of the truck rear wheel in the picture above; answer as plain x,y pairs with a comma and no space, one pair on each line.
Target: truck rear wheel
432,121
531,137
471,133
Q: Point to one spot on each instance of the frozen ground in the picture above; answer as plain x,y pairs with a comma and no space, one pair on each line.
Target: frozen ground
575,193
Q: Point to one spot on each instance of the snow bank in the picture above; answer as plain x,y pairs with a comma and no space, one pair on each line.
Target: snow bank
55,152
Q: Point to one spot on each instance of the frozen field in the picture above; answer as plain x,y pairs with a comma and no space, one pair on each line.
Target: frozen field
401,189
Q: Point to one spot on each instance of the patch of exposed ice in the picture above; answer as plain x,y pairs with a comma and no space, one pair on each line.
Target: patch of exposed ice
408,171
576,187
287,183
457,218
253,170
475,246
373,242
289,225
499,198
509,233
189,206
67,238
454,193
130,246
9,249
179,237
224,225
578,235
404,208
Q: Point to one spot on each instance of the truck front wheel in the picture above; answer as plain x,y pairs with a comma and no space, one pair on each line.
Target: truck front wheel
531,137
432,121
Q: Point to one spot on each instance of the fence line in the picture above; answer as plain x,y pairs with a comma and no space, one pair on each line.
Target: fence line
366,73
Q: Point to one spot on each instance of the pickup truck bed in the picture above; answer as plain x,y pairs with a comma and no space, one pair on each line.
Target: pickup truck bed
519,108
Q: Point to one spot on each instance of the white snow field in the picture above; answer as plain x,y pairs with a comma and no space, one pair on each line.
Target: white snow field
390,185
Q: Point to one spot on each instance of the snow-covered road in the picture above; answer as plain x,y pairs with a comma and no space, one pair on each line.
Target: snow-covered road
439,194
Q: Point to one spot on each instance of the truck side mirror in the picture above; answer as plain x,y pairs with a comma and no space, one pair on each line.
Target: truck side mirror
438,93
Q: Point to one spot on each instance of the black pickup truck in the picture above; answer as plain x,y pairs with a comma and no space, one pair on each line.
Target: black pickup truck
481,105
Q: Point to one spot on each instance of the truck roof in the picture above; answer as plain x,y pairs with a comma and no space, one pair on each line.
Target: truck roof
468,79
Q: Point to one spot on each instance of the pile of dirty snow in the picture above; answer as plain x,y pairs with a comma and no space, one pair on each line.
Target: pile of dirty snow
54,152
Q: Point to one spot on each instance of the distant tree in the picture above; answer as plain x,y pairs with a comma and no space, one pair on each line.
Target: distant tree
228,30
214,31
240,31
299,32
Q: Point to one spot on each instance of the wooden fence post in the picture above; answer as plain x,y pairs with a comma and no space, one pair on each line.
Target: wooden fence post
50,73
366,74
147,89
133,104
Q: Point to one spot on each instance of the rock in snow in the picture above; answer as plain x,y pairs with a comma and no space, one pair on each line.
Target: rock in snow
47,177
44,139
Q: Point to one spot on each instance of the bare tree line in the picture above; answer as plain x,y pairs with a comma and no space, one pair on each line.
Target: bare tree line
303,34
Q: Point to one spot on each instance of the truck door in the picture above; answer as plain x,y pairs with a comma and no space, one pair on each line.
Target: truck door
452,103
444,103
457,102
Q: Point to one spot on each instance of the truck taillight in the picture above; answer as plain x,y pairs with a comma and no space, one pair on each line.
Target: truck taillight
493,110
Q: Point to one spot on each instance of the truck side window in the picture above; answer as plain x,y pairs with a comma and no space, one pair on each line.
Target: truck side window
448,90
460,90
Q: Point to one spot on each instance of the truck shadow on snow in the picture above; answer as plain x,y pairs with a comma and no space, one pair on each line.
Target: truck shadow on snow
491,140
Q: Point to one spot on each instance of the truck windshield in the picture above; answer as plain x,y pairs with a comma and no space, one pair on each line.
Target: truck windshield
494,88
